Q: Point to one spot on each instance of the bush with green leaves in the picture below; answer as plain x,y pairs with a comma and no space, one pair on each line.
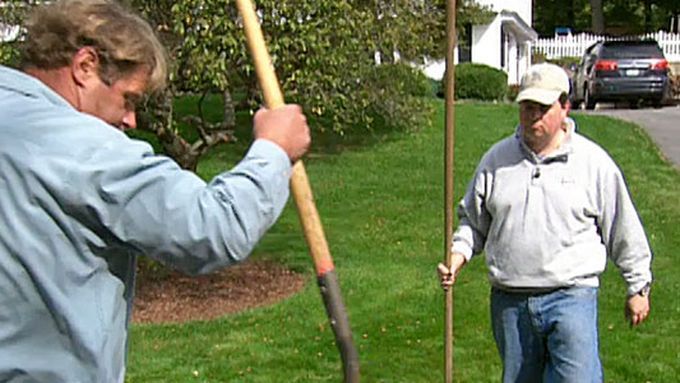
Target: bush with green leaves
9,55
565,62
479,82
323,52
675,87
408,80
11,14
398,97
412,81
513,91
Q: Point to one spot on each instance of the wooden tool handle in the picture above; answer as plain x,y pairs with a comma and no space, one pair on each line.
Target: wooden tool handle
302,193
273,98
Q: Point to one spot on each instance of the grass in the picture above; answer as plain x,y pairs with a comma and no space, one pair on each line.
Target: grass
382,209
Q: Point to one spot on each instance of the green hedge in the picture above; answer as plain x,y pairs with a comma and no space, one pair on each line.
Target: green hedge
566,62
479,82
399,97
408,80
513,91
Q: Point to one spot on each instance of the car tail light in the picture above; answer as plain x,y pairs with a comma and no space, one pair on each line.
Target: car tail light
606,65
659,64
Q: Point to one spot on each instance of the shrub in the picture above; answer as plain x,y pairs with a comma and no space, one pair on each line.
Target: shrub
406,79
9,55
479,82
397,97
675,87
513,91
538,57
566,62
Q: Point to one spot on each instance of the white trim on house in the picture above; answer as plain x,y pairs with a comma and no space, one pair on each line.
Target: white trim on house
517,51
505,43
519,27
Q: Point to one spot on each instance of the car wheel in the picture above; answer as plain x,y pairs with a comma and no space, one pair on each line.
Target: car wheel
588,100
660,101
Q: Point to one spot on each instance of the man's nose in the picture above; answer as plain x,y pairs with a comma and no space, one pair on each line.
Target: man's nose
129,120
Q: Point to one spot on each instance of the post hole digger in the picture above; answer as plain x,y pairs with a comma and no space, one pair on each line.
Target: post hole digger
304,200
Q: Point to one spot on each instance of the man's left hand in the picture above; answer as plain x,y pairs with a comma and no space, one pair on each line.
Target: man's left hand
637,309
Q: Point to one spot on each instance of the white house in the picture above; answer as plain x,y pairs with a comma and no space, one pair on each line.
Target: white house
8,32
505,43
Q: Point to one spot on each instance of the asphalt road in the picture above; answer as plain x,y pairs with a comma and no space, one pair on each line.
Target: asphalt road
662,125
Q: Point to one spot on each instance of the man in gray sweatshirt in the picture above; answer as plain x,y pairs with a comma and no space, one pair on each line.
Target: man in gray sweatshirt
547,206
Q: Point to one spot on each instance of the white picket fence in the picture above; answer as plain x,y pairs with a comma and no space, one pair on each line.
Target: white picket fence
575,45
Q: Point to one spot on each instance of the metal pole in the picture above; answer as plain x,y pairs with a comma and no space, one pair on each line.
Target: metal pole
448,180
302,193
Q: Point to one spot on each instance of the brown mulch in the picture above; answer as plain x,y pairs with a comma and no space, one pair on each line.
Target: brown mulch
176,298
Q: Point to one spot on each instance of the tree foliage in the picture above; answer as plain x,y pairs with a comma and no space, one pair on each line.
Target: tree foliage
598,16
323,52
11,15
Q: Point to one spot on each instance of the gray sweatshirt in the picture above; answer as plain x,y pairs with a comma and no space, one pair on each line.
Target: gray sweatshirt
550,222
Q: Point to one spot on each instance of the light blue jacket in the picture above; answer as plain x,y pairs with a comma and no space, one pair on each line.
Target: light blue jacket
78,201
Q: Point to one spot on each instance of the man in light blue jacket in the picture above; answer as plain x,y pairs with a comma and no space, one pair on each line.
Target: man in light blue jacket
548,206
79,200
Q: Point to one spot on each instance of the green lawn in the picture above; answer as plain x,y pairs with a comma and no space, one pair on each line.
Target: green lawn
382,208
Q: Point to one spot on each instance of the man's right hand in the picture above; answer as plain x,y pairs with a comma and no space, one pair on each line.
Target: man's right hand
286,126
637,309
448,275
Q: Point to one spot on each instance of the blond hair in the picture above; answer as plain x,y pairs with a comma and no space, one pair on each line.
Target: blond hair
123,40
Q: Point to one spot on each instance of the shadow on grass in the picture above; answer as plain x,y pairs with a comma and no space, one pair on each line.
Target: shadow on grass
324,141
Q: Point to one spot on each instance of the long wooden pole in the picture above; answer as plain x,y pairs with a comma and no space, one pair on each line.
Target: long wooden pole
448,180
302,194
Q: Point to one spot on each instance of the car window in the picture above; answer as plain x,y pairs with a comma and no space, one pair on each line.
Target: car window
631,51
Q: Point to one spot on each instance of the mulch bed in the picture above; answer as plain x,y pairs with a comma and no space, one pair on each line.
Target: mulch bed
176,298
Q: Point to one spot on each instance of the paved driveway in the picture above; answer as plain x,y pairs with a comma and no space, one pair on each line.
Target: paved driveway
663,125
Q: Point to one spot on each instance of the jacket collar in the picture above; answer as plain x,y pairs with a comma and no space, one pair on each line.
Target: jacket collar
20,82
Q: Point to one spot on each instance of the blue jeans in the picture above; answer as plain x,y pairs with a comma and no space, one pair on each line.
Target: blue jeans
549,337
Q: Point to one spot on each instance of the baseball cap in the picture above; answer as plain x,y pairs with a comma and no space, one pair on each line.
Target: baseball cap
543,83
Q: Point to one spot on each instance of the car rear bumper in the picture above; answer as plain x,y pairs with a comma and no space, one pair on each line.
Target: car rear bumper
629,88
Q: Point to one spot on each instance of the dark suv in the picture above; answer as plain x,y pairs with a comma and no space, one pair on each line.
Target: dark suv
621,70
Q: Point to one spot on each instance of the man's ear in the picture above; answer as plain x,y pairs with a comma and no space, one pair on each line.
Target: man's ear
85,66
566,108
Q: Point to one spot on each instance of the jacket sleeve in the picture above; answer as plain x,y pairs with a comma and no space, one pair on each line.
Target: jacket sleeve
149,203
622,231
474,219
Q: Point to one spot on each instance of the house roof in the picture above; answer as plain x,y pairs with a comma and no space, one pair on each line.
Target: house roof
522,30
